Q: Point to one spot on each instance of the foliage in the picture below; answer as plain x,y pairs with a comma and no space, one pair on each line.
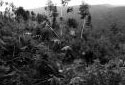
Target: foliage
72,23
40,18
20,12
84,10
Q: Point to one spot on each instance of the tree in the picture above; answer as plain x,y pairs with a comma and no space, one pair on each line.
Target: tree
54,14
65,3
52,11
20,12
85,15
116,36
8,12
33,15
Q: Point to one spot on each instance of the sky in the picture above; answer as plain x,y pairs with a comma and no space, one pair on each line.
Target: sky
30,4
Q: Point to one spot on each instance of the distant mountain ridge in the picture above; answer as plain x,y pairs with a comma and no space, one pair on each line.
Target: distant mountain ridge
102,15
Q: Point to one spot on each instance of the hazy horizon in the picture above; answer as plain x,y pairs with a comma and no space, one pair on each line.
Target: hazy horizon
31,4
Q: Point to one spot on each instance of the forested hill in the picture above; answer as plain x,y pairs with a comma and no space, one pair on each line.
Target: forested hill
102,15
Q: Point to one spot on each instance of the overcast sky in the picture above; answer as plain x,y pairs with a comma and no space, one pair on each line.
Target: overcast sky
29,4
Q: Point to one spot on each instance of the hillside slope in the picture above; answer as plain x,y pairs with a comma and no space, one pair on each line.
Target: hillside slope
102,15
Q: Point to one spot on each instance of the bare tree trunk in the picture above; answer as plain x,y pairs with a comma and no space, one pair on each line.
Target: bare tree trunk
83,27
53,31
61,31
50,18
61,12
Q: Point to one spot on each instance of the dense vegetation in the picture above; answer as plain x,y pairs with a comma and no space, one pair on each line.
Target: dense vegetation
35,49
